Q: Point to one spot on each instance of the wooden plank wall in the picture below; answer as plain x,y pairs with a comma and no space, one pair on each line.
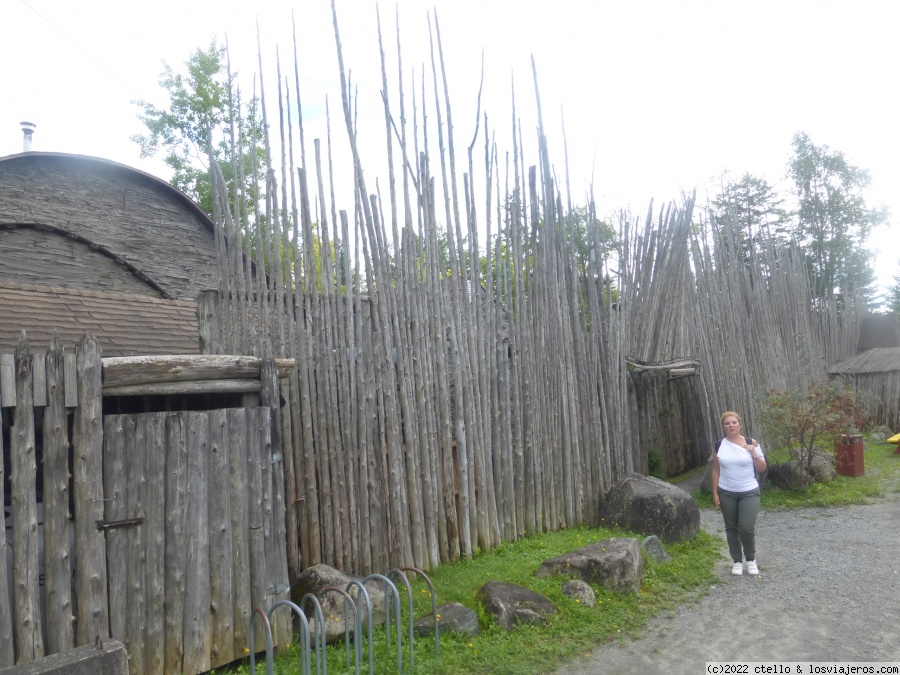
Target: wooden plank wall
180,584
883,399
182,562
42,621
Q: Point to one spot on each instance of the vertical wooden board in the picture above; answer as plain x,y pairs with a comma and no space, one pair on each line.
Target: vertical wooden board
7,380
154,530
135,492
90,544
176,545
39,385
304,555
207,324
271,397
7,655
196,576
239,502
291,491
258,426
264,448
70,380
57,549
220,542
28,640
114,444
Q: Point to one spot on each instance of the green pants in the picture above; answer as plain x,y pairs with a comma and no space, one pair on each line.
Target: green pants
739,509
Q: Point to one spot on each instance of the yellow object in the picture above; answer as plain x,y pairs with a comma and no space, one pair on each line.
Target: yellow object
894,439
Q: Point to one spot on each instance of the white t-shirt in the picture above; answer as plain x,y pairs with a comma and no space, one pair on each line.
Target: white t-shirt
736,470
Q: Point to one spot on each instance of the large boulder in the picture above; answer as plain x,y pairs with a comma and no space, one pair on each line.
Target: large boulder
789,475
616,564
512,605
317,578
650,506
453,617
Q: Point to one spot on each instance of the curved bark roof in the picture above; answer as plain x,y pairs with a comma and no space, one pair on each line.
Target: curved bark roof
146,226
159,183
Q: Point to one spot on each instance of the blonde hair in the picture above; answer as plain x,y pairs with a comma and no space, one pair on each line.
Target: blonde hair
730,413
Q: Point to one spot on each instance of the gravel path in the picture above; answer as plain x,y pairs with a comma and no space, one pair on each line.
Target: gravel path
828,590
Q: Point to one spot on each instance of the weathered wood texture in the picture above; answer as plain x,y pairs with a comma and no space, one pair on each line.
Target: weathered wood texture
27,251
690,290
29,644
143,370
123,323
876,373
7,651
186,572
120,212
173,523
90,543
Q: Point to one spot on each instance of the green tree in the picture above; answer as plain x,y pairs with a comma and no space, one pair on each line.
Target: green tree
833,219
202,116
593,240
753,207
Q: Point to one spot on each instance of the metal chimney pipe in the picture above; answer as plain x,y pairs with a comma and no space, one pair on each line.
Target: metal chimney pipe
27,131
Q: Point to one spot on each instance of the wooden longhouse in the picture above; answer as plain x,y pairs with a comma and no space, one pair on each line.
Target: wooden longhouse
877,372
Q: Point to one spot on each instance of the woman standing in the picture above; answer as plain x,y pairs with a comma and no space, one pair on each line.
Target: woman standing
735,490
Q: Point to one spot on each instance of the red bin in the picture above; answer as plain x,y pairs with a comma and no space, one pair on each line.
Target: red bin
848,456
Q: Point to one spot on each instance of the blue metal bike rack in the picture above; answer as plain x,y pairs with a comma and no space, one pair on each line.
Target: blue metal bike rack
388,584
270,665
357,624
365,594
321,655
304,633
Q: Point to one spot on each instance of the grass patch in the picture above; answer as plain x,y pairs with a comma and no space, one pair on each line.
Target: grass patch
575,630
881,479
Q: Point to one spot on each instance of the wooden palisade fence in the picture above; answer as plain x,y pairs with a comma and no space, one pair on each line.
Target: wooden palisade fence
177,526
466,360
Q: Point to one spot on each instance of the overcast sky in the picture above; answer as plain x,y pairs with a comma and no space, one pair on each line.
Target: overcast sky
659,97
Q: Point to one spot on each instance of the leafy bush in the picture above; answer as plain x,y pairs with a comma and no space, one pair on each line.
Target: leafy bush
796,420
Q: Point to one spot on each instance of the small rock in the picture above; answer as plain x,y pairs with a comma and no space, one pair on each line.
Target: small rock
512,605
616,564
653,547
452,618
580,591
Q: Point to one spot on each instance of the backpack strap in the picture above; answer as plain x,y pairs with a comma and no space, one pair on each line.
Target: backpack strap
747,440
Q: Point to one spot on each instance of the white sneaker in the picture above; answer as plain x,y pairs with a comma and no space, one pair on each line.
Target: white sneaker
737,569
752,569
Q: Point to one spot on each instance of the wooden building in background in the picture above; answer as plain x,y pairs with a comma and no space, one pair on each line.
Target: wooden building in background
182,469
